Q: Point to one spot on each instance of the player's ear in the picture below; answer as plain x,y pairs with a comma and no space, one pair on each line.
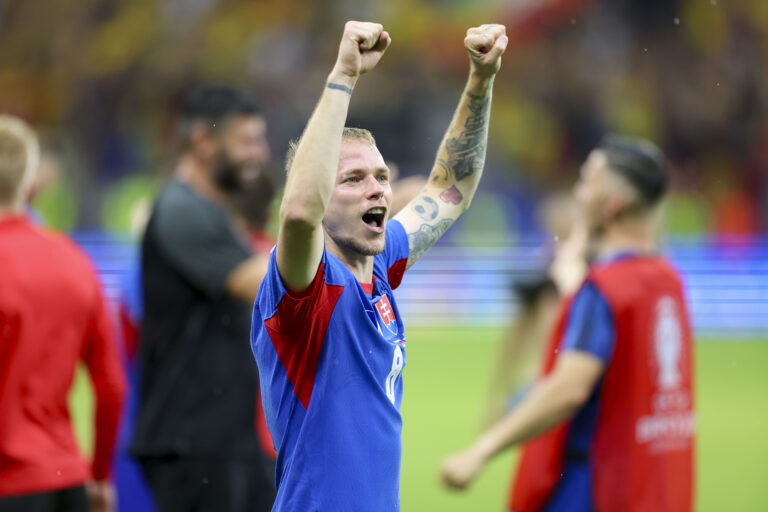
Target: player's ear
202,143
614,205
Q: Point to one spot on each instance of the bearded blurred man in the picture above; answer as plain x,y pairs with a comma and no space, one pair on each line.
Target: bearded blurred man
194,434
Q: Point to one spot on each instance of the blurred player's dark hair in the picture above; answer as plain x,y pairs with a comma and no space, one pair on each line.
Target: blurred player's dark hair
641,163
212,105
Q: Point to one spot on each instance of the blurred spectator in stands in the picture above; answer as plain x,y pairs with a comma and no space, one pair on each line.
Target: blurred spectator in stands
689,73
52,316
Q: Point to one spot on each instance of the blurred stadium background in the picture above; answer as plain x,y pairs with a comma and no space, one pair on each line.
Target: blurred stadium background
102,81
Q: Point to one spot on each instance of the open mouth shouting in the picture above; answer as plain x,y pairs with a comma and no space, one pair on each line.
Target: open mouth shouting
375,219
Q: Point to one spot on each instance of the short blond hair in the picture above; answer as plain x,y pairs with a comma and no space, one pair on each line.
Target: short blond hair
19,157
349,133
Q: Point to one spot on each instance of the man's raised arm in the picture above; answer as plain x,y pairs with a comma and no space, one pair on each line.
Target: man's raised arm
461,157
312,173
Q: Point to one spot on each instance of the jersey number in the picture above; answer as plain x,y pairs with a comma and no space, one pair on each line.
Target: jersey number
397,367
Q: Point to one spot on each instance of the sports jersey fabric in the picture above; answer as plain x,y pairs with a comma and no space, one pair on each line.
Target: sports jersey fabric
590,329
330,362
52,315
622,451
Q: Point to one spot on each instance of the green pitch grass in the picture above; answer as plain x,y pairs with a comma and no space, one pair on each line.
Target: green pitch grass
446,380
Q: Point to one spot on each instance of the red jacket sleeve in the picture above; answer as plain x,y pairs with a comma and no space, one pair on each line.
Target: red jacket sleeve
101,357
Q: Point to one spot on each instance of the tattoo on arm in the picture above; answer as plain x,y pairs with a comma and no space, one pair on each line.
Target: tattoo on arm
339,87
464,155
452,195
425,207
466,152
441,175
424,238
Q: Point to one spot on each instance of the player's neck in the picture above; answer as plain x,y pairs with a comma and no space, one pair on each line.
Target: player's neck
198,177
360,265
628,237
11,210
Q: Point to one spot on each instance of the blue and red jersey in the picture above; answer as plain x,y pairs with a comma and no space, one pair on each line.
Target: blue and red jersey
630,447
330,364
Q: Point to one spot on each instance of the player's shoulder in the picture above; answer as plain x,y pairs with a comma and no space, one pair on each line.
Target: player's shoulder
395,250
331,271
668,267
178,201
65,250
588,295
180,214
395,232
648,266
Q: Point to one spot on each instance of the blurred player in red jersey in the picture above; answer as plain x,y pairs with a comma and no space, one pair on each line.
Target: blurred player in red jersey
52,315
610,423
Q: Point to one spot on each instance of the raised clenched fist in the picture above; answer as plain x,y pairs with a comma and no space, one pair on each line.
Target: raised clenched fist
485,45
361,48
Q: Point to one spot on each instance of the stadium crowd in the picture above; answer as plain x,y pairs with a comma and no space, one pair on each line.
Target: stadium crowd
688,74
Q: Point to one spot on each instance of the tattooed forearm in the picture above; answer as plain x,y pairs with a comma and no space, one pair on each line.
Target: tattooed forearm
462,155
424,238
466,152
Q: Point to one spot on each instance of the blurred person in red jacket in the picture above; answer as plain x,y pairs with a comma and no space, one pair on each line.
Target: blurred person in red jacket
52,315
609,425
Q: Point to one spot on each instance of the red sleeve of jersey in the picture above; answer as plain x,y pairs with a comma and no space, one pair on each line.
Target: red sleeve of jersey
298,329
395,273
101,357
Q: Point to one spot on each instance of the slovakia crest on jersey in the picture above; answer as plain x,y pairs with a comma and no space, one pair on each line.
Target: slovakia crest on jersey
387,315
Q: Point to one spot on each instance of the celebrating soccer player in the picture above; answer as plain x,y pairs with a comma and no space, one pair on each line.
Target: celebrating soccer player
327,333
611,419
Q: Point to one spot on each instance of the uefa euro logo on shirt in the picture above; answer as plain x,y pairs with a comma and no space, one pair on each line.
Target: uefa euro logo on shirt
387,315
